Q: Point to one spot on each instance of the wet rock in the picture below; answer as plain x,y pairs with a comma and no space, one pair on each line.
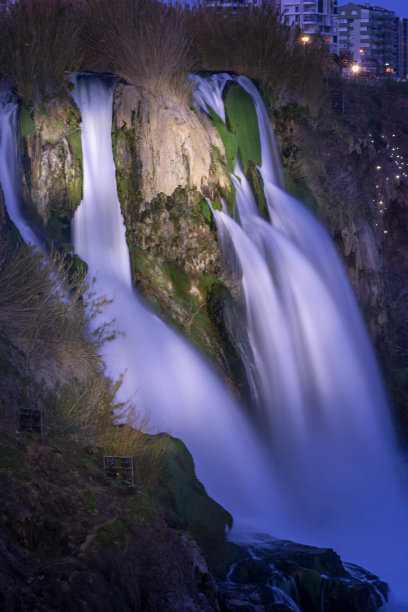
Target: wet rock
282,575
51,155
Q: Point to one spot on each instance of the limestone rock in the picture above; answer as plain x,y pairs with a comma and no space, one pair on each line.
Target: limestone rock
167,146
52,164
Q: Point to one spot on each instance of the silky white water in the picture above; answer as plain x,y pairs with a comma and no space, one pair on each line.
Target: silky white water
315,383
9,170
165,375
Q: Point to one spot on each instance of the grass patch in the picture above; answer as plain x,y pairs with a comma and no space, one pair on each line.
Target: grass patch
111,536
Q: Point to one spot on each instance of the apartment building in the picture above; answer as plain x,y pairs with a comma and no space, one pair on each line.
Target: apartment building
312,17
371,35
403,48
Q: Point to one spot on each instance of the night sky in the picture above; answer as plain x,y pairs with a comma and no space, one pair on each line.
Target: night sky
399,6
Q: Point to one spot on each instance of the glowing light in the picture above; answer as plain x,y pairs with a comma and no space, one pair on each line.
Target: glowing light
305,39
355,68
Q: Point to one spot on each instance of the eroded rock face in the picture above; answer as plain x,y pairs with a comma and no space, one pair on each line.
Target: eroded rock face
167,161
160,146
51,164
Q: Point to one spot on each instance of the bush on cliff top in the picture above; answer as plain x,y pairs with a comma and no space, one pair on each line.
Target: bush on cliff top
254,41
143,41
40,42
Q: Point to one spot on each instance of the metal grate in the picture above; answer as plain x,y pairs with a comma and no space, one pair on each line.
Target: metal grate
119,469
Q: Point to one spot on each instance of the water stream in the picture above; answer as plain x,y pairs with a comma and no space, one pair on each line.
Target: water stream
9,168
316,385
164,374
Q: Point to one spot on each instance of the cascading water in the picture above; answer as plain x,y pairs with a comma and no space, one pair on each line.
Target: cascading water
316,386
166,376
326,475
8,162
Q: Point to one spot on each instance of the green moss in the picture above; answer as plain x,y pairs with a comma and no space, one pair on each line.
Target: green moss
229,140
27,125
186,505
75,144
257,185
206,211
179,279
243,122
230,196
111,536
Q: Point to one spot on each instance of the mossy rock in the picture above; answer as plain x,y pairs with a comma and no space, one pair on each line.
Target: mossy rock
228,138
243,122
184,503
257,185
27,125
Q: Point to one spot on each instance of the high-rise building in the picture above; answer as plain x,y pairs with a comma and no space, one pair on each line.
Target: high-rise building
403,48
312,17
370,34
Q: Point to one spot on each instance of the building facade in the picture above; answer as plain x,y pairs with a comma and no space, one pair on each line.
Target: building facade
403,48
370,34
312,17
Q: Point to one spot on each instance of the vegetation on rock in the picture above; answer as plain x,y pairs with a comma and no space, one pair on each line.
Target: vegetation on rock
40,42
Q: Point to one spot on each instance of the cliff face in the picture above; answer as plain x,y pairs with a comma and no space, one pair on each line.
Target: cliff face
66,537
51,153
350,168
71,542
342,165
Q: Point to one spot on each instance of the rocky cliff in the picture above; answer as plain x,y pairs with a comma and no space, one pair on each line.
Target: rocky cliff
346,164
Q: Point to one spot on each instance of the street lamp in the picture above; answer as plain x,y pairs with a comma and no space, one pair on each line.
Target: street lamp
305,39
355,68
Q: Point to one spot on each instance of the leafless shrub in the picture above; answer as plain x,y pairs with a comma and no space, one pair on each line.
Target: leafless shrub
143,41
43,313
254,41
46,312
40,41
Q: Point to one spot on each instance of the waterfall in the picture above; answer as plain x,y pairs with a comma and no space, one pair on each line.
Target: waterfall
9,173
167,378
316,386
317,462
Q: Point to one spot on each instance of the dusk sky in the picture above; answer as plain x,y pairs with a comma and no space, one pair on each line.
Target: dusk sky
399,6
